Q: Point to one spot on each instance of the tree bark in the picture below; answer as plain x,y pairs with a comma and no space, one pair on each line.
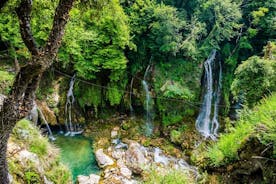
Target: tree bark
20,100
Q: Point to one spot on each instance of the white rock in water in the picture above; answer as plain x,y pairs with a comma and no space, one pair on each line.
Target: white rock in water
91,179
114,134
135,158
103,159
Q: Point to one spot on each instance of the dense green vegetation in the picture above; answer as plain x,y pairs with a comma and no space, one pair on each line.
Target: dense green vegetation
111,46
256,123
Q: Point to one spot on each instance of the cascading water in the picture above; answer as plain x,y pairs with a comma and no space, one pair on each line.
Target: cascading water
149,125
43,119
206,125
215,123
71,130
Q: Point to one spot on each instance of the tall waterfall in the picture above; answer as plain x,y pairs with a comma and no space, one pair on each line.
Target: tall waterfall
71,130
205,124
149,125
43,119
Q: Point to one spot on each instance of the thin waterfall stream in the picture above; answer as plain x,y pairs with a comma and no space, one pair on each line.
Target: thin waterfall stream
71,130
205,124
149,125
43,119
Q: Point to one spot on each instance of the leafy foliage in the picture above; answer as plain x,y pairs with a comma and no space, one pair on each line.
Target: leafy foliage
227,147
253,79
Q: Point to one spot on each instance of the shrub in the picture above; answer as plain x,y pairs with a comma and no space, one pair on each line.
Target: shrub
227,147
253,79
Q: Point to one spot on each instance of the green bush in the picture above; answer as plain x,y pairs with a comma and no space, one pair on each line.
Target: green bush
254,78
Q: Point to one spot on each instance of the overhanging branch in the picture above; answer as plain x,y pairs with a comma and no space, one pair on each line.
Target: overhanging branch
57,32
24,15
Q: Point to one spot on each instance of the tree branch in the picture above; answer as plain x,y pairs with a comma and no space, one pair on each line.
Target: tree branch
24,15
57,32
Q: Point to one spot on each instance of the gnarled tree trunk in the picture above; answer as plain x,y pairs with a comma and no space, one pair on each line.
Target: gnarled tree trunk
20,100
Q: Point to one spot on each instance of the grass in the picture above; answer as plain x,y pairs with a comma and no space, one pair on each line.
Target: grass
259,122
168,177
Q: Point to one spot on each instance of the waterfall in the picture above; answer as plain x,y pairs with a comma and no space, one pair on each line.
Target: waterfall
215,123
43,119
71,130
149,125
206,125
130,97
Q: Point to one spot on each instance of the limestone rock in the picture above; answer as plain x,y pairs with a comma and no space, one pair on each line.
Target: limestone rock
124,171
103,159
91,179
33,116
135,158
115,132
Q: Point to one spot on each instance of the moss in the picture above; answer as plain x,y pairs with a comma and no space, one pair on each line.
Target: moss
32,177
6,80
175,136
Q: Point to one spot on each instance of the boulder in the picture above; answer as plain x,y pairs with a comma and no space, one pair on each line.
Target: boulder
91,179
115,132
33,116
124,171
103,159
135,158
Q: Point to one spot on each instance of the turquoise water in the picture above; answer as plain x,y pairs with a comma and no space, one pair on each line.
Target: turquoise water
77,154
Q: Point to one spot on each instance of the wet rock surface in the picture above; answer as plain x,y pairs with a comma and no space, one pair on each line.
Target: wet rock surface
91,179
132,161
103,159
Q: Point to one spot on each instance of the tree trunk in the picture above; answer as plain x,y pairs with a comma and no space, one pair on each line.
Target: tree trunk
4,136
16,106
20,100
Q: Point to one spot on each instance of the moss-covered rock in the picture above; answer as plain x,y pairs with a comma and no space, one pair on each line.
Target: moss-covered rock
32,159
